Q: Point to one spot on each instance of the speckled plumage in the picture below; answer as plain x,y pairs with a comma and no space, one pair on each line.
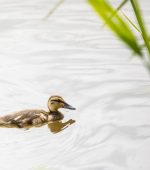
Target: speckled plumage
35,117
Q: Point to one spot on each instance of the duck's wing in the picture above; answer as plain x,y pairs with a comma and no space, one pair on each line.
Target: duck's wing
26,117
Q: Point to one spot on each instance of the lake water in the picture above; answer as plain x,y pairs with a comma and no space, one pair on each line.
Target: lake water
69,55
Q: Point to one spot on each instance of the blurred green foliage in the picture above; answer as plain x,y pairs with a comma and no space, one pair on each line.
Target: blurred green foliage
120,24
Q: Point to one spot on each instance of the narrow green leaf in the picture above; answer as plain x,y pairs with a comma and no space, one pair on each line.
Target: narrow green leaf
140,20
143,45
53,9
117,9
116,24
128,19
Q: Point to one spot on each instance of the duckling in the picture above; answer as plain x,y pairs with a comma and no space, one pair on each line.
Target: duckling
26,118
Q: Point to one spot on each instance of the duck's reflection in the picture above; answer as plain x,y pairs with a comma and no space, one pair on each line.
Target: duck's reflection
54,127
58,126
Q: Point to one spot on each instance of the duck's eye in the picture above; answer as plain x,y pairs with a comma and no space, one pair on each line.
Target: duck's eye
60,101
56,100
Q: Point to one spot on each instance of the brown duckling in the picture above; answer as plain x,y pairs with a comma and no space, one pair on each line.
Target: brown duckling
25,118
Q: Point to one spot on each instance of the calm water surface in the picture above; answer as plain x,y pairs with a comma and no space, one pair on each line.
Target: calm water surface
70,56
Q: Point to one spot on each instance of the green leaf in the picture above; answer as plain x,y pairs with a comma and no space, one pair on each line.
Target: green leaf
117,9
140,20
128,19
53,9
116,24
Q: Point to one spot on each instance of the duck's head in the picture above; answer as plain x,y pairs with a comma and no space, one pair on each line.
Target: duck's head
56,102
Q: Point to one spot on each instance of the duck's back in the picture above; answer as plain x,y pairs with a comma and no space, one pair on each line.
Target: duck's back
25,117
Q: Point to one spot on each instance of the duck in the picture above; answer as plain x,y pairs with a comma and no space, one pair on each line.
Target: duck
36,117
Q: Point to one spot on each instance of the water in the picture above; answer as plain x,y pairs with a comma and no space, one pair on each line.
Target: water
70,56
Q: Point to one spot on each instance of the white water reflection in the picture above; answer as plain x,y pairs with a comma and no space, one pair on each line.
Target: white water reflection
69,55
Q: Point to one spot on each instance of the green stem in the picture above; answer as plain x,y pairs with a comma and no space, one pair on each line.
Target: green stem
53,9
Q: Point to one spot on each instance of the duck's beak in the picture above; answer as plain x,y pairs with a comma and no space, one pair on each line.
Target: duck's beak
67,106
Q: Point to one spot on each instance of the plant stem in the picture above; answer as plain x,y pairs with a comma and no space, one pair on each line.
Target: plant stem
53,9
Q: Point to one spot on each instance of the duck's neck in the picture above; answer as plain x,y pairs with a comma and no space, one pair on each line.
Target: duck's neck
56,115
54,112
